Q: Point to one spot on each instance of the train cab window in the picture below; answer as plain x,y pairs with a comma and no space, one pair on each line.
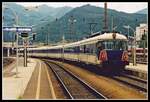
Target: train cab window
115,45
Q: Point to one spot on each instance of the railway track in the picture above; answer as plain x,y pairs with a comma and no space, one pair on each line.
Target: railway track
7,61
75,87
132,81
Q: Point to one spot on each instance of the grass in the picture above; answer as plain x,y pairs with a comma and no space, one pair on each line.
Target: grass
19,97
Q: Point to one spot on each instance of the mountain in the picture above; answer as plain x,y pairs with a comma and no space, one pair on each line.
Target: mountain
55,12
143,11
83,16
61,11
27,16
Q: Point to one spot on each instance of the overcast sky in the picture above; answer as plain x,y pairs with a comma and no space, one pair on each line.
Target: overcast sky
129,7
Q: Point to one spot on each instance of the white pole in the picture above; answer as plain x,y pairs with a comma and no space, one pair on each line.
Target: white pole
134,49
17,46
16,18
17,55
134,59
63,48
128,30
8,52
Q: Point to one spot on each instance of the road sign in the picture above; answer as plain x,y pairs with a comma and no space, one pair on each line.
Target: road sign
30,42
25,43
24,34
17,29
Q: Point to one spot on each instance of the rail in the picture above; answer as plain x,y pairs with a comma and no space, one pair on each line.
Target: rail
132,81
75,87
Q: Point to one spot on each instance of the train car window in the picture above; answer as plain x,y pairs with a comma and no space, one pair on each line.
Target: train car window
84,49
89,48
70,50
81,49
92,49
76,49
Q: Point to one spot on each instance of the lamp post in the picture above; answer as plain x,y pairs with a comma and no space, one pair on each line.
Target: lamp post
134,47
16,19
127,27
48,34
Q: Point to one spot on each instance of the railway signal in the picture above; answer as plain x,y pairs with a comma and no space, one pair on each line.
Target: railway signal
17,29
24,34
33,37
92,26
72,20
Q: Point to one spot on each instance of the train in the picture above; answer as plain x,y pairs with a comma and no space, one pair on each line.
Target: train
107,50
139,51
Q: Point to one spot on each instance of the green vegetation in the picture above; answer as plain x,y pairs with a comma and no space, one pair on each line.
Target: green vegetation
83,15
19,97
27,17
143,11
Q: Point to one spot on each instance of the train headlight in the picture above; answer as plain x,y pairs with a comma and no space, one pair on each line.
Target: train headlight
103,55
125,56
114,35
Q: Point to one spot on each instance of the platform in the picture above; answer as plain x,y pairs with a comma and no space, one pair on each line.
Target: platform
140,70
13,87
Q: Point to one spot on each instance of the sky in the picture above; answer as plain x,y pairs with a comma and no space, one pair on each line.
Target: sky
129,7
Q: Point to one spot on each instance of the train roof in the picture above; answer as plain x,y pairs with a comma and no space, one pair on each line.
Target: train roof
105,36
102,37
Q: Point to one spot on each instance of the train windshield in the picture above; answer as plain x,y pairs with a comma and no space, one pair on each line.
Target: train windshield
115,45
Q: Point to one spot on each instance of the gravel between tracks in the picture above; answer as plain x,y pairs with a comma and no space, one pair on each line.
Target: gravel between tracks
110,88
57,86
7,61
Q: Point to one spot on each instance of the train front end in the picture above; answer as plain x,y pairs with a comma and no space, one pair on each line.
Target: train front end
113,54
115,59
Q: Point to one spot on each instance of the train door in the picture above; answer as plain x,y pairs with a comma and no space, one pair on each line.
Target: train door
99,47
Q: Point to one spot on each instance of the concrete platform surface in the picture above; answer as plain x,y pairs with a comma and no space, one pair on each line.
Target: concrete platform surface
13,87
139,68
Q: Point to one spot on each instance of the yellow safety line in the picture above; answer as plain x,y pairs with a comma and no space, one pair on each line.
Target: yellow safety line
50,83
38,84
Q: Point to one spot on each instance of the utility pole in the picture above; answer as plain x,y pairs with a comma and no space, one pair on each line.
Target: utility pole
91,29
63,39
134,53
48,35
144,40
105,17
133,44
72,21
